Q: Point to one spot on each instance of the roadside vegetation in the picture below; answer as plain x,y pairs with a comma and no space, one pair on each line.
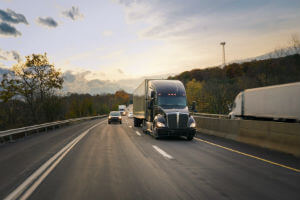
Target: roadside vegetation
30,94
215,88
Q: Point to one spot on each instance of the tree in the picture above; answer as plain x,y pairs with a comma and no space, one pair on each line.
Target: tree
32,81
194,92
295,43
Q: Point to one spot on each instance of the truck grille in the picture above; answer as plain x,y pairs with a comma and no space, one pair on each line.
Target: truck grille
174,122
183,120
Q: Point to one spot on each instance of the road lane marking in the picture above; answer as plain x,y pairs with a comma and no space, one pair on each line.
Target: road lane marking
249,155
162,152
138,133
34,180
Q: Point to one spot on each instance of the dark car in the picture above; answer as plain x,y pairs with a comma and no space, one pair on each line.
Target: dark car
115,116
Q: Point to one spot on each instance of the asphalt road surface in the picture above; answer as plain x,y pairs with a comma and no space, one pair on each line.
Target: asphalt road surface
95,160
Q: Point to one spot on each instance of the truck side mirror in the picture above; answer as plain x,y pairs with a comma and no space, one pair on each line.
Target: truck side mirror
193,106
153,93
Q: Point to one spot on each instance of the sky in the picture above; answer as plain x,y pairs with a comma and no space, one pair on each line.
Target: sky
111,44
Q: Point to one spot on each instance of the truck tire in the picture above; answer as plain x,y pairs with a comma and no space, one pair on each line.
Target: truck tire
189,138
135,122
154,133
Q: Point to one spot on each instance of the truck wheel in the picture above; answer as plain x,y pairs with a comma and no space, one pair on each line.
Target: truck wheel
135,122
154,131
189,138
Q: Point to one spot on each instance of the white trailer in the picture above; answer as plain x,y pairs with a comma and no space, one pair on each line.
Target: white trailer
278,102
122,109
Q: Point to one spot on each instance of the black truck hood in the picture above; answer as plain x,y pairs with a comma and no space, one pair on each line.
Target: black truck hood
175,110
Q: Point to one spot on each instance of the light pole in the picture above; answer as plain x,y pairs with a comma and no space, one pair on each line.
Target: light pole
223,45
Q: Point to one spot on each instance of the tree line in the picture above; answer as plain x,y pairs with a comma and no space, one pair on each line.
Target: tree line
214,89
30,94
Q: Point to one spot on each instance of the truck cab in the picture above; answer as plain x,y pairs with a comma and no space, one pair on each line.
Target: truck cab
165,110
237,107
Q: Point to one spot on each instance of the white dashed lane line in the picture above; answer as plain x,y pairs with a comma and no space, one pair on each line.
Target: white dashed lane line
162,152
138,133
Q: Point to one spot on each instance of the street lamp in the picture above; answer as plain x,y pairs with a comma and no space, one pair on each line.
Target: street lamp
223,45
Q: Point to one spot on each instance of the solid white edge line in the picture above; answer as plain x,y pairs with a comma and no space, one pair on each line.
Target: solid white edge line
21,188
138,133
162,152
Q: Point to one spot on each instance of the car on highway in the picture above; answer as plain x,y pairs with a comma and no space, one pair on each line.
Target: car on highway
130,115
115,116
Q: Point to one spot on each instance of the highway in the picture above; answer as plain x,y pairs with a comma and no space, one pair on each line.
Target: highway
95,160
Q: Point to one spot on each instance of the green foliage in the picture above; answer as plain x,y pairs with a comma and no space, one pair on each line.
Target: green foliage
33,81
214,89
28,96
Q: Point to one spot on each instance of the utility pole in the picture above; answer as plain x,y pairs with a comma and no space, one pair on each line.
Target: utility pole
223,46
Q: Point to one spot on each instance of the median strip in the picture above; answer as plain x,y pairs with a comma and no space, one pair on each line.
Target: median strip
249,155
24,190
162,152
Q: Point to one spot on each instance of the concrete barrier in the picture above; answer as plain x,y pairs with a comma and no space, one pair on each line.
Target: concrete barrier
279,136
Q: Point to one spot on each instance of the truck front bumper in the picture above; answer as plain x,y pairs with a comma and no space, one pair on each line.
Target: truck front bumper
176,132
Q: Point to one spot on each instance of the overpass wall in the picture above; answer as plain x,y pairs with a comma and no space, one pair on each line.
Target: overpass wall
279,136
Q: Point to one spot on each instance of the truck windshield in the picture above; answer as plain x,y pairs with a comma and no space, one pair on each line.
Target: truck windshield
171,102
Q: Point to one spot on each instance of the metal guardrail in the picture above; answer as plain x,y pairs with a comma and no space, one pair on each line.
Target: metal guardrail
9,133
211,115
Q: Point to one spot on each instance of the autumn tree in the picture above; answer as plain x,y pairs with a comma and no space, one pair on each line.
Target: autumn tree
33,81
195,92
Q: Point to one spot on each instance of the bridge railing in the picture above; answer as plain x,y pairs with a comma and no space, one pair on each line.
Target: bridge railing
11,132
211,115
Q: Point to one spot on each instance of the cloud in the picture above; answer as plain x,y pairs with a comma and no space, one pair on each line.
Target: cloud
107,33
78,83
120,71
176,18
8,30
48,21
72,13
10,55
10,16
4,70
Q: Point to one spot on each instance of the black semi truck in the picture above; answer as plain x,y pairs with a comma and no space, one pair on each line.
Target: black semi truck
160,106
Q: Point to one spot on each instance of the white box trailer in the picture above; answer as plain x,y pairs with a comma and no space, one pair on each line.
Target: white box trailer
278,102
122,109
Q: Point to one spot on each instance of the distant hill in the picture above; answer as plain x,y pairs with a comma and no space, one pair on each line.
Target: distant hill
215,88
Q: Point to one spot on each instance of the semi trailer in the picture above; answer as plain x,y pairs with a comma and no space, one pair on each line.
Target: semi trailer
122,109
278,102
160,107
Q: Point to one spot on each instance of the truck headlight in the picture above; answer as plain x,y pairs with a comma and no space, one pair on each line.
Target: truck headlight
109,117
160,124
193,125
120,117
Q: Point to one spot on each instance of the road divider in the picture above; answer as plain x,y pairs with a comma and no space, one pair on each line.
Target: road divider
162,152
278,136
24,190
10,135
